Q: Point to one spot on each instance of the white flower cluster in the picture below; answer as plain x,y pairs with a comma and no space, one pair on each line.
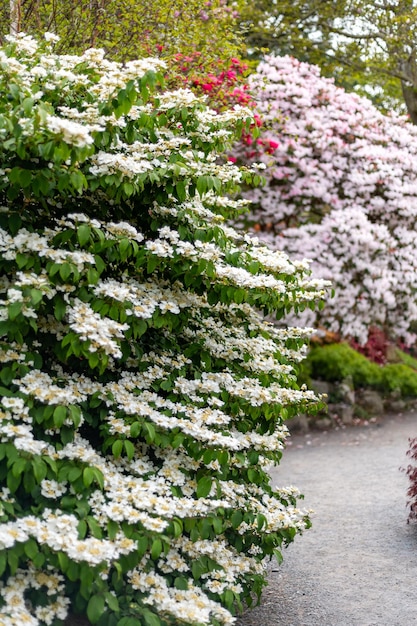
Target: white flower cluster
71,132
27,242
342,190
16,611
98,331
145,394
189,606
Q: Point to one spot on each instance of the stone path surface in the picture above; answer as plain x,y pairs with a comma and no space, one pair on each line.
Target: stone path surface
357,566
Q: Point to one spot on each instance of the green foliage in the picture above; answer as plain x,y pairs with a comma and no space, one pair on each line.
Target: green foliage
398,376
334,362
403,357
338,361
142,393
128,29
366,46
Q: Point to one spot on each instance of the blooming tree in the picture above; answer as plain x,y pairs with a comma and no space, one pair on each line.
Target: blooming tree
142,397
341,190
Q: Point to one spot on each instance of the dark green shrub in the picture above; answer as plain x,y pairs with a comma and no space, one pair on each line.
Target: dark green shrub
404,357
337,361
399,376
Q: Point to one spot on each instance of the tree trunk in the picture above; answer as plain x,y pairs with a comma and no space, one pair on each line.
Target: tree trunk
410,99
409,86
15,16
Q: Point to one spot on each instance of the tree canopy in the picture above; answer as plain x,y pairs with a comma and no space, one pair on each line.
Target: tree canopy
127,29
366,45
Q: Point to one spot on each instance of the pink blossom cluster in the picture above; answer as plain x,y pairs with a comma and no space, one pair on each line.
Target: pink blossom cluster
341,189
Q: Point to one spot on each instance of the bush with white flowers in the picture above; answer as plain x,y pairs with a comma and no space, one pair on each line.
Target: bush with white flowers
341,190
142,397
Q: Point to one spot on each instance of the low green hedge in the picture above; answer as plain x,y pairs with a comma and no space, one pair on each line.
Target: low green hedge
338,361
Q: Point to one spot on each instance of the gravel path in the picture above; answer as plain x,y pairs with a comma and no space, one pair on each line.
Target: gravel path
357,566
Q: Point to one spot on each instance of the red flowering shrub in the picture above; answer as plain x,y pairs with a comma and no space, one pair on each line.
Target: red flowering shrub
225,85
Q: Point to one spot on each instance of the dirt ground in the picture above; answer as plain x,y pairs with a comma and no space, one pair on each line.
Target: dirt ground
357,566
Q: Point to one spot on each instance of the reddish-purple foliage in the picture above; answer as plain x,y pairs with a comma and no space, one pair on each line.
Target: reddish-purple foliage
375,349
411,472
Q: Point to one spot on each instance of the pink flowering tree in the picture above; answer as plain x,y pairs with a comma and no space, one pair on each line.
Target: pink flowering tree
341,189
142,394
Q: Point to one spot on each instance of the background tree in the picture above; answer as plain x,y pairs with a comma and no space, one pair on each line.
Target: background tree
127,29
342,190
366,45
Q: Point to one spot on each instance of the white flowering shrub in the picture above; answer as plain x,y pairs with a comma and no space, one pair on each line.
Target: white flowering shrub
341,190
142,397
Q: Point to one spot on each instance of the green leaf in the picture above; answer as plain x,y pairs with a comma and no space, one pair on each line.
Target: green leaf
117,448
93,360
14,310
15,222
83,234
25,178
78,181
156,549
142,543
39,560
150,618
36,296
228,598
75,414
150,431
204,486
39,468
140,328
181,583
201,185
135,429
65,271
3,562
94,527
112,601
129,448
87,576
27,106
63,561
152,264
236,519
177,526
99,478
112,529
181,190
278,556
128,621
59,416
74,473
73,571
217,524
88,476
197,569
95,608
31,548
13,560
6,376
19,467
